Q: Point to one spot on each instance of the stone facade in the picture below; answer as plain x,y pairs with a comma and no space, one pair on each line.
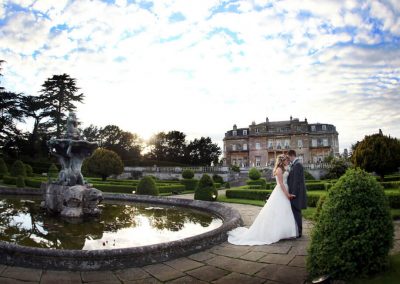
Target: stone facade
259,144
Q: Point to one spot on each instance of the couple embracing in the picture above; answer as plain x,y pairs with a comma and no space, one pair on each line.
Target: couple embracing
280,218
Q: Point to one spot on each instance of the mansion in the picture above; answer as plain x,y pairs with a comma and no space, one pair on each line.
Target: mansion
259,144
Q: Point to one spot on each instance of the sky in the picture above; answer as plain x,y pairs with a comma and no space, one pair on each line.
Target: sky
201,66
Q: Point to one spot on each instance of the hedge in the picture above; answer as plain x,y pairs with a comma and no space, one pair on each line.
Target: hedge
252,194
312,199
315,186
260,181
172,188
36,183
190,184
394,199
115,188
390,184
9,180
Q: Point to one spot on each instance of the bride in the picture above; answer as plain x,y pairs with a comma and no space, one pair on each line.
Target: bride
275,220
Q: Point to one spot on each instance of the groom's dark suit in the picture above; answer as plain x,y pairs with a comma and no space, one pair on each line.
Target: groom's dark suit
297,187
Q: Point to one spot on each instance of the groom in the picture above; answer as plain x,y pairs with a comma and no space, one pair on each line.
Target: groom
297,187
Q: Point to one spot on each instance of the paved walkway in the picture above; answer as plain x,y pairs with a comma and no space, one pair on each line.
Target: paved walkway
283,262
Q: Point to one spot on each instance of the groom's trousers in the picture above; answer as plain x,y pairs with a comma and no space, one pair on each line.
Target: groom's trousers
298,218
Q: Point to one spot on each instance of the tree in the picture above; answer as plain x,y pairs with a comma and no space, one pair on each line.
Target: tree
91,133
337,168
127,145
10,113
169,146
60,93
104,163
377,153
203,152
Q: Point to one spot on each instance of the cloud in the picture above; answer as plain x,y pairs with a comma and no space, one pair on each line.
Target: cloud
201,66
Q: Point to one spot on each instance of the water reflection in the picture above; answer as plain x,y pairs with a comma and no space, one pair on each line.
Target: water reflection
120,225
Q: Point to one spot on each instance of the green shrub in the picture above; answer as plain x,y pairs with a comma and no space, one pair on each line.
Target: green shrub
320,203
217,185
315,186
104,163
3,168
52,174
255,187
18,169
235,168
171,188
28,170
254,174
20,183
217,179
9,180
308,176
147,186
391,178
270,185
206,189
251,194
188,174
261,182
312,199
354,232
190,184
36,183
227,185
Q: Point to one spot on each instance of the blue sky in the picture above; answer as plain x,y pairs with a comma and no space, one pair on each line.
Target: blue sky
202,66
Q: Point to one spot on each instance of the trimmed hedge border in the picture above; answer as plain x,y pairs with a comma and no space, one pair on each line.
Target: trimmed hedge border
251,194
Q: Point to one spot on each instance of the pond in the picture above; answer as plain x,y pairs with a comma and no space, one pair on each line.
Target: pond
120,225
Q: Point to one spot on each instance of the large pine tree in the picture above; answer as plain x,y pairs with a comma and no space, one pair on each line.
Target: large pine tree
60,93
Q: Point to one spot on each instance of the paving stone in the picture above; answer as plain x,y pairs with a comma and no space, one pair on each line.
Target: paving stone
299,261
131,274
163,272
239,278
105,282
235,265
150,280
52,276
283,273
21,273
186,279
282,249
231,251
2,268
201,256
301,249
98,276
253,255
207,273
14,281
184,264
277,258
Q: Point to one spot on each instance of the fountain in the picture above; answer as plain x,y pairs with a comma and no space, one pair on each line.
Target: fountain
71,196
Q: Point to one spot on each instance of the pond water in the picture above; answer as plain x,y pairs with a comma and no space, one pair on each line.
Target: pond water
120,225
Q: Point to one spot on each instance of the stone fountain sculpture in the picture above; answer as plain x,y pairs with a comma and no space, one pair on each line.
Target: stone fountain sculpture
70,195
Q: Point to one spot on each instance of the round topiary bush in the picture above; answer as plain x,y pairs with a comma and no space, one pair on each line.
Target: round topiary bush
187,174
227,185
147,186
52,174
20,182
18,169
217,179
254,174
28,170
3,168
354,232
206,189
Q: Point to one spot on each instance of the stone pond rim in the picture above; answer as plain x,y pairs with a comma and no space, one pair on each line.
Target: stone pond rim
86,260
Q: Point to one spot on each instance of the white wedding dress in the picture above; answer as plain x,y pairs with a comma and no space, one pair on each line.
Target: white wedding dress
274,222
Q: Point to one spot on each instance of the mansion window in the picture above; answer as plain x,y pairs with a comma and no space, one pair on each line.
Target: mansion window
258,146
312,127
323,127
233,147
245,147
270,144
278,144
234,132
314,143
299,143
325,142
287,144
258,161
245,132
234,162
257,130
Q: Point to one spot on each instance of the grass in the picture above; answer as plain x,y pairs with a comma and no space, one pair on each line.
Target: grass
391,276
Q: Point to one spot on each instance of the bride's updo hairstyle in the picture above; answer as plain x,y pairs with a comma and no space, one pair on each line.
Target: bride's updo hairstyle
279,163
